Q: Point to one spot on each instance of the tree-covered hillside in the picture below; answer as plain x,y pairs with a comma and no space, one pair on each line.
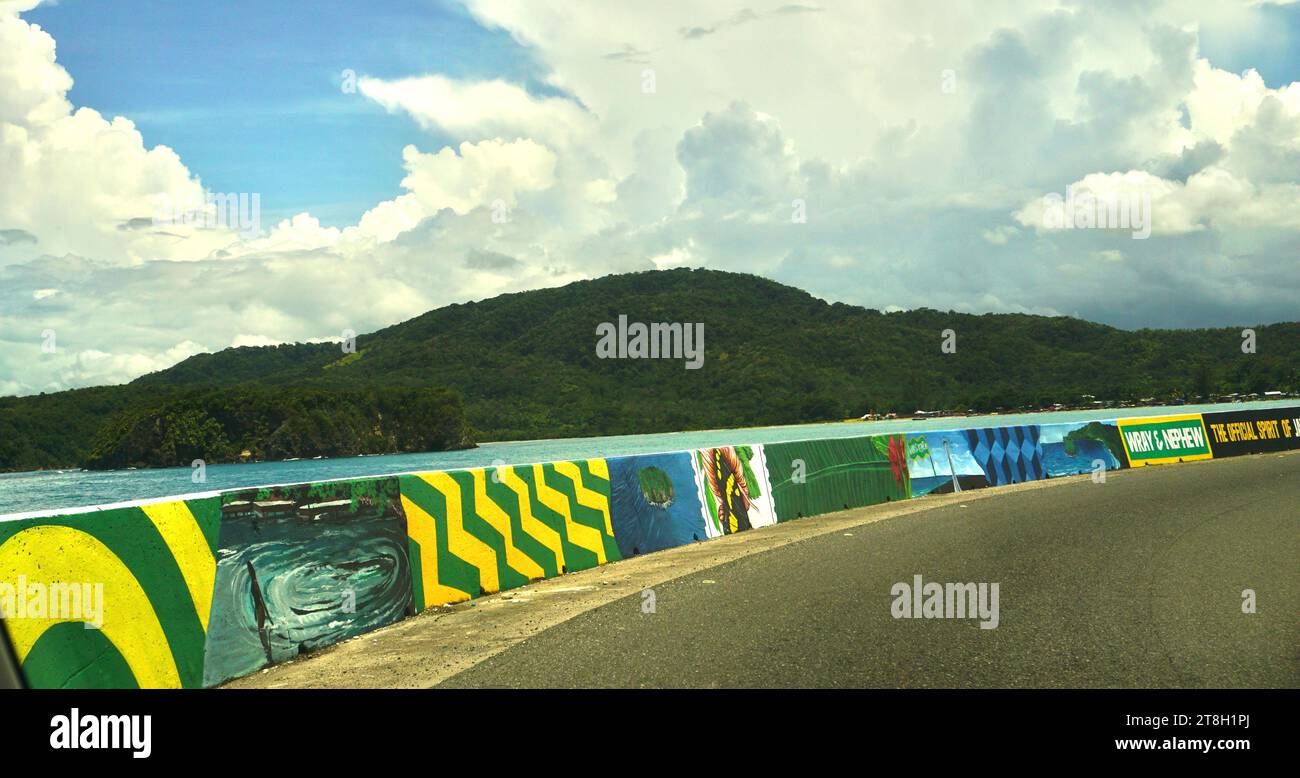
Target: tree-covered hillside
527,367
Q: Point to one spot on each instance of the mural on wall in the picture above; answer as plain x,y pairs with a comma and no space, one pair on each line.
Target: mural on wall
656,502
1158,440
1072,448
1258,431
812,477
1008,455
303,567
140,577
737,495
936,459
189,593
974,458
480,531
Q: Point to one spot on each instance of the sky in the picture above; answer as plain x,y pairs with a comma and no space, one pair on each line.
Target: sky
409,154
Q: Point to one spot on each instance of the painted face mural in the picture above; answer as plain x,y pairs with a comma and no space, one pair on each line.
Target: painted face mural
726,481
735,490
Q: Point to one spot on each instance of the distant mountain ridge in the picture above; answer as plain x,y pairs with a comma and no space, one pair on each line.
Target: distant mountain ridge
526,365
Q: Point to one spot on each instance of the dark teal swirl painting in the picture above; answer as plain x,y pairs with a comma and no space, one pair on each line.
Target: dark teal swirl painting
303,567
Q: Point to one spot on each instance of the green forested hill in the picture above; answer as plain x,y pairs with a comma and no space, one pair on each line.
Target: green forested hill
526,363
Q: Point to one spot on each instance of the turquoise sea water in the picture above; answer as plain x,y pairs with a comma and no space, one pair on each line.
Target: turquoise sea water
49,490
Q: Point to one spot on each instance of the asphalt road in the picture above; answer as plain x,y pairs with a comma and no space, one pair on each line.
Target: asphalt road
1137,582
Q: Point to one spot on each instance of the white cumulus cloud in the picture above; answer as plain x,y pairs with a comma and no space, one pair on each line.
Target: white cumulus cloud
908,172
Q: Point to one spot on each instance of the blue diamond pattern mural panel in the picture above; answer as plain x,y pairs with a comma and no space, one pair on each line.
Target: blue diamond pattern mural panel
1008,455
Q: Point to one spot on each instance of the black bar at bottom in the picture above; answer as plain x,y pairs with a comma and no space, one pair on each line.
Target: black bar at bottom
335,728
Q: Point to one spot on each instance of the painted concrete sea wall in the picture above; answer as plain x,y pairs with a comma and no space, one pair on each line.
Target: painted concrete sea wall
736,490
821,476
1161,440
656,502
117,598
302,567
1233,433
480,531
191,592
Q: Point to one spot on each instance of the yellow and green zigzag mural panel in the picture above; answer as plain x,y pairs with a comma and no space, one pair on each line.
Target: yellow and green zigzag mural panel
155,567
475,532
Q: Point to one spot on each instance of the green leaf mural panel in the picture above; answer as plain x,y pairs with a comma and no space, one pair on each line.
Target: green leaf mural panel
812,477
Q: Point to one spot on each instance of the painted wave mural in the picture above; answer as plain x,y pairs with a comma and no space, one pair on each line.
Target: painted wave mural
301,568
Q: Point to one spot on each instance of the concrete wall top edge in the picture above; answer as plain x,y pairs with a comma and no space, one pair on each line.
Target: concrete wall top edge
109,506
